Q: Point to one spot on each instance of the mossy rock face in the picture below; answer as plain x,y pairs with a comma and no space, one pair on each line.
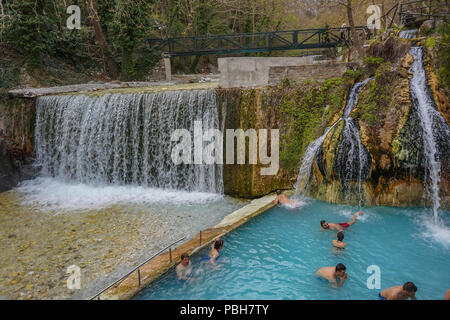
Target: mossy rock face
300,111
17,120
391,133
9,172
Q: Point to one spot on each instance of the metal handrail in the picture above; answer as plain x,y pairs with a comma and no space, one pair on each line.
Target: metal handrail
138,269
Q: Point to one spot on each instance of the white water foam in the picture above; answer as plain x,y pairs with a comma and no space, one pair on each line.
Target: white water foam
52,194
348,214
437,233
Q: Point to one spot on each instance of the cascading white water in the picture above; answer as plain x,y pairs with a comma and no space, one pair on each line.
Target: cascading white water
308,158
353,156
351,151
408,34
124,139
432,123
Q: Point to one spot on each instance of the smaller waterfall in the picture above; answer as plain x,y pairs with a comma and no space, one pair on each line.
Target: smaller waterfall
432,123
352,151
408,34
308,158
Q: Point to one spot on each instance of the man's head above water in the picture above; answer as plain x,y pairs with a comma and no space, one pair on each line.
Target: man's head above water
340,269
324,224
185,259
409,287
278,192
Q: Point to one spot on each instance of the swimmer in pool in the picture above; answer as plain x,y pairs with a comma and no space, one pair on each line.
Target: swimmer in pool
184,268
400,292
332,274
215,250
339,243
340,226
283,199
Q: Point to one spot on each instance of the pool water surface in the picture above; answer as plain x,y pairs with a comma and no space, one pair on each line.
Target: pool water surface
275,255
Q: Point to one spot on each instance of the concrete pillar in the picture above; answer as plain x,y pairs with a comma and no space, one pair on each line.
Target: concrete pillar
167,67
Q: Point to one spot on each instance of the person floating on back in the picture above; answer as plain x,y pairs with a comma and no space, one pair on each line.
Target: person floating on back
184,268
400,292
284,200
335,275
340,226
339,243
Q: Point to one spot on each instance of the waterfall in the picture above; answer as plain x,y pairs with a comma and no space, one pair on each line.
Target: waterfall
408,34
307,160
124,139
352,152
433,126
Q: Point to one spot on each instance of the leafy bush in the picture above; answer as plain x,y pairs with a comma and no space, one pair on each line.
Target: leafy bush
443,52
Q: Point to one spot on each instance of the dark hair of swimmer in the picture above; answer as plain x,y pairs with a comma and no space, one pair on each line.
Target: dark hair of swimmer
340,236
340,267
184,256
218,244
410,287
278,192
322,222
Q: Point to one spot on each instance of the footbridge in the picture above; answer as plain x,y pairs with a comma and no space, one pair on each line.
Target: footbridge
314,39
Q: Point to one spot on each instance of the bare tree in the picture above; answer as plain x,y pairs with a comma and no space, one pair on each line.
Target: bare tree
355,40
106,53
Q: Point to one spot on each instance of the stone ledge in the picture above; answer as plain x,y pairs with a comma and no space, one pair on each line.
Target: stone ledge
110,87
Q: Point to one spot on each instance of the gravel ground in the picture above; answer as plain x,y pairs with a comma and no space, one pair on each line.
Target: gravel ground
37,246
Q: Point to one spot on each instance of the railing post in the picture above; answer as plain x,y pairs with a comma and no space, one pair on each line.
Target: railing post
170,254
139,276
200,237
295,38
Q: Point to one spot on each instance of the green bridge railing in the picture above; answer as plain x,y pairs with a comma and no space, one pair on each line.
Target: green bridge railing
257,42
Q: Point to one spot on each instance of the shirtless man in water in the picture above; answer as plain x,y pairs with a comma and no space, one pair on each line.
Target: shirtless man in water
340,226
184,268
283,199
333,273
401,292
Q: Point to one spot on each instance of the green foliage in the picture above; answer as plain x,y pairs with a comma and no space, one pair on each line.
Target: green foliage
373,62
352,75
308,108
36,29
443,52
375,96
430,42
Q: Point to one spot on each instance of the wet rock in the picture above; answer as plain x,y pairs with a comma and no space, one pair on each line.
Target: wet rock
426,28
9,171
